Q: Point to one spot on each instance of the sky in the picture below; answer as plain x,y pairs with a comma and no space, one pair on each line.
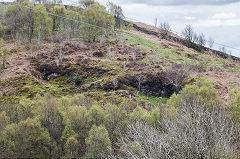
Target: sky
219,19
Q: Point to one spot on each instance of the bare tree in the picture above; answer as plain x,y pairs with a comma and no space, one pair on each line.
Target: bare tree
175,76
210,42
90,52
86,3
139,79
196,132
164,30
155,20
201,40
117,12
188,34
110,54
59,58
121,41
223,49
101,40
195,38
115,84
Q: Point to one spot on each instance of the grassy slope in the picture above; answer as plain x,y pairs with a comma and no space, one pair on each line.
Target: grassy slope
25,85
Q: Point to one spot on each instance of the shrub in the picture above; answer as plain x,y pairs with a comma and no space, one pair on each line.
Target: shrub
202,91
175,76
78,80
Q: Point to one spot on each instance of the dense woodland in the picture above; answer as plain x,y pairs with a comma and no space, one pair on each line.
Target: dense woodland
194,122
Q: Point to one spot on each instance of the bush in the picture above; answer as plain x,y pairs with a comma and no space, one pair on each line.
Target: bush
78,80
175,76
202,91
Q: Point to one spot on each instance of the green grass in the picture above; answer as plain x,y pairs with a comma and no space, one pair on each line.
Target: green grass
146,45
201,53
167,55
152,100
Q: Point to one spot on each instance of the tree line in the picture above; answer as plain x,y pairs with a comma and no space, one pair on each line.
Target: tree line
188,33
26,21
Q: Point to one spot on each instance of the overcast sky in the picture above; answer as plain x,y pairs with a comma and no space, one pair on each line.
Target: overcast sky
219,19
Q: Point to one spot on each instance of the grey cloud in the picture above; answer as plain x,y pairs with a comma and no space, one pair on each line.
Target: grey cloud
181,2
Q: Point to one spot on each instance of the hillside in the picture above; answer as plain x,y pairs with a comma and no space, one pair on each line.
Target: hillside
73,89
98,66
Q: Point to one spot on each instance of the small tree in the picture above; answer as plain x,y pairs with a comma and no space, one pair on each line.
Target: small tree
223,49
210,42
235,106
42,22
188,34
98,143
1,28
115,84
78,80
58,21
175,76
96,116
195,38
26,139
72,147
67,132
4,120
117,12
201,40
99,23
4,54
86,3
20,18
155,20
164,30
